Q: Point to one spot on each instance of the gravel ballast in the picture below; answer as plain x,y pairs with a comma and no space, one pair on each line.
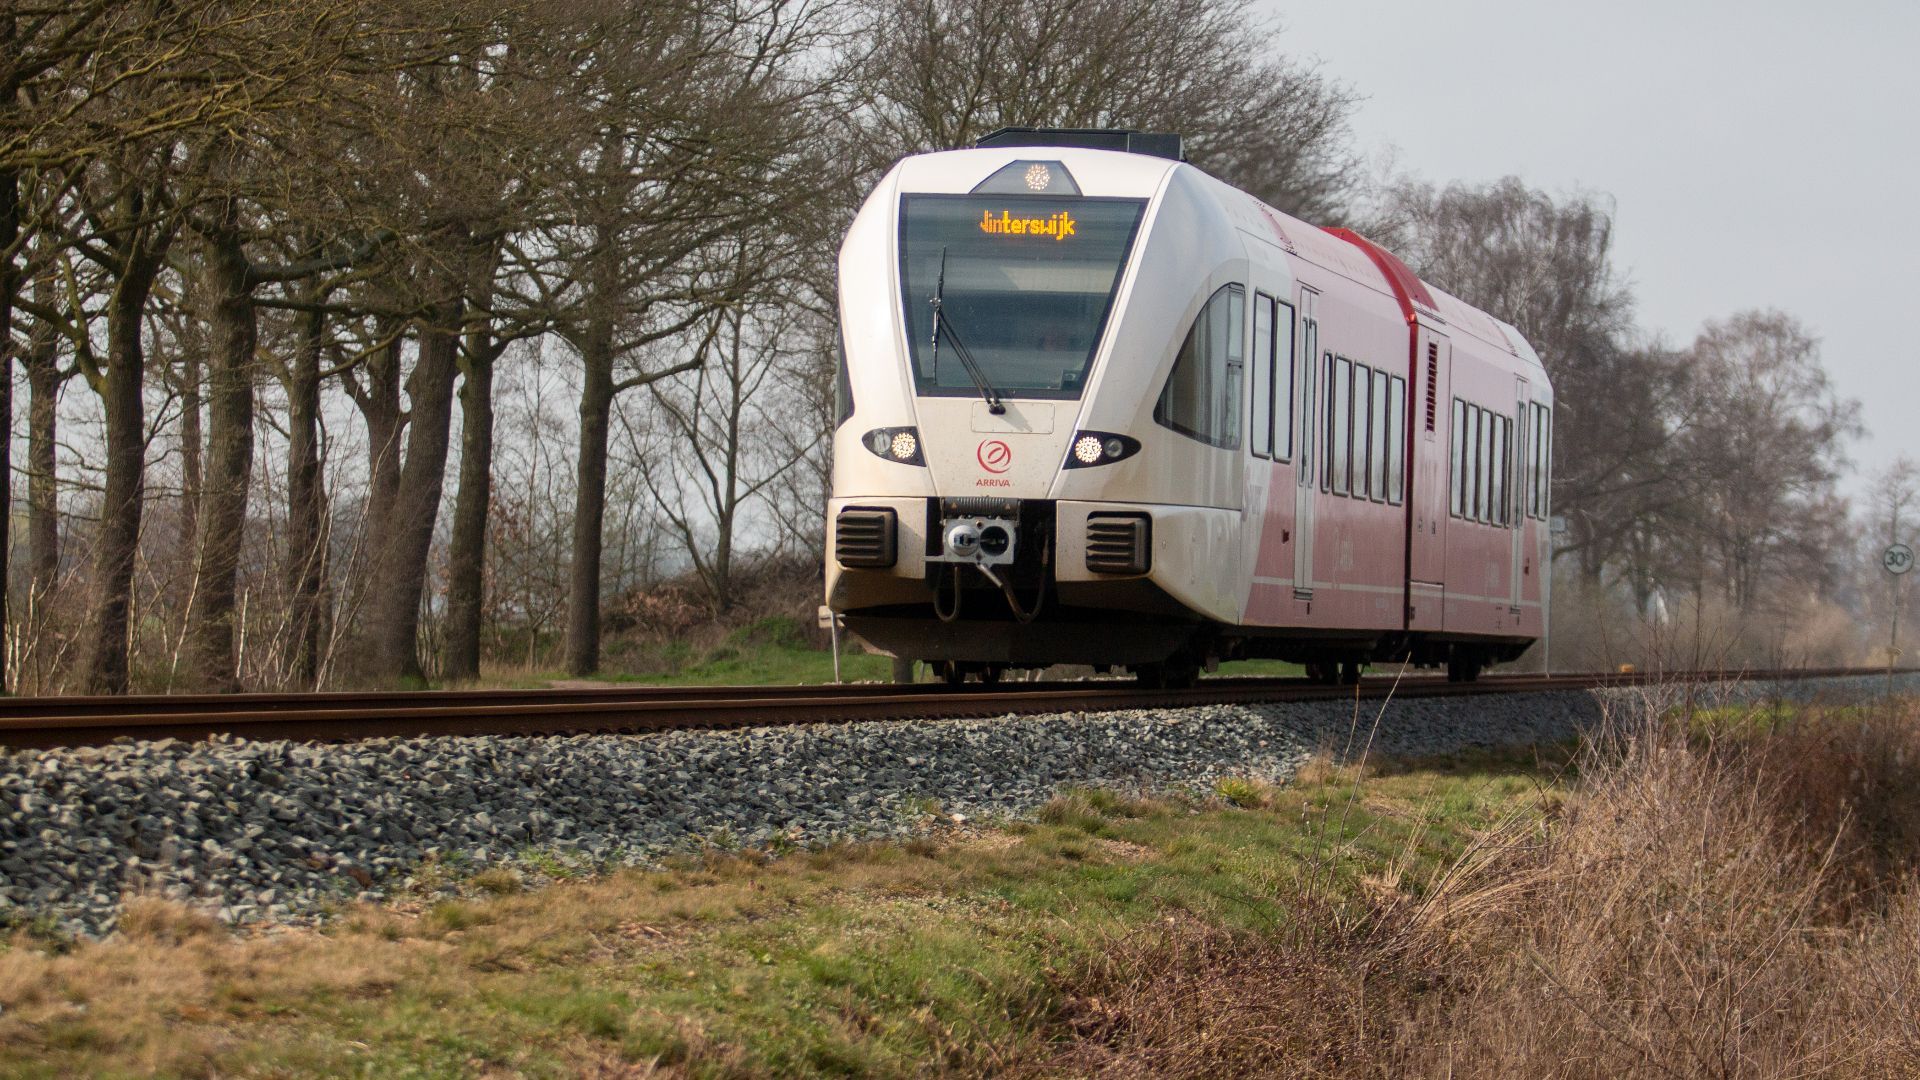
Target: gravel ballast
281,831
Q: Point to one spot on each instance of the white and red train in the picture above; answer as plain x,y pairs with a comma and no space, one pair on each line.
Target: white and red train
1098,407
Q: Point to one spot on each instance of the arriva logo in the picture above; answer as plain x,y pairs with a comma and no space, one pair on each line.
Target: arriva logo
995,456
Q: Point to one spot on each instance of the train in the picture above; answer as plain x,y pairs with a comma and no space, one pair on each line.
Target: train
1094,406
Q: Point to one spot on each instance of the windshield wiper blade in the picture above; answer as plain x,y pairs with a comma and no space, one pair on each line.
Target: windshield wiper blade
967,362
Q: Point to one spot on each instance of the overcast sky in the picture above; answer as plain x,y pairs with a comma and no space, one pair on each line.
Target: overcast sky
1760,154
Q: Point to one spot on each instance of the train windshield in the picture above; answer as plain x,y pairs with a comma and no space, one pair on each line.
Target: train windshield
1024,284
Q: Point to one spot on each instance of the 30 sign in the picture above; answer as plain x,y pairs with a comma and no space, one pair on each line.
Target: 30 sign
1898,559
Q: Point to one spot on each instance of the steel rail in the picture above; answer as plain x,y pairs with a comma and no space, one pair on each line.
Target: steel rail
348,716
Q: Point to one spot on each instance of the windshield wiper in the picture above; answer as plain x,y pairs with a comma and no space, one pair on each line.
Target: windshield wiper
967,363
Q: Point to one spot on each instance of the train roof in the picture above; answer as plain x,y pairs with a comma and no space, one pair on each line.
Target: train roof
1111,162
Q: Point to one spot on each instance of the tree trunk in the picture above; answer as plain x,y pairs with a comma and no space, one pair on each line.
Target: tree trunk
398,573
379,403
119,535
9,282
192,440
234,335
381,409
466,554
590,503
306,507
43,512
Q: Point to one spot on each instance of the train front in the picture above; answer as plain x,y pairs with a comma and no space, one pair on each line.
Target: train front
978,294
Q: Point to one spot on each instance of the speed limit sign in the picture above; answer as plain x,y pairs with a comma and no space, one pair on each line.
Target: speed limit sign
1898,559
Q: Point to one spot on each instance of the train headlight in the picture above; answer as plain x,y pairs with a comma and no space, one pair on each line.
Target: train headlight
1091,448
897,444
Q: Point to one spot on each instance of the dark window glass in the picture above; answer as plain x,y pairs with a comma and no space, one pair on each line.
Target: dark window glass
1483,479
1029,283
1283,382
1498,505
842,384
1377,442
1523,463
1457,468
1262,434
1310,392
1342,441
1396,441
1362,412
1546,461
1202,396
1471,510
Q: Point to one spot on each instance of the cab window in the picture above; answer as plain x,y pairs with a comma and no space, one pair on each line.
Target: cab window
1201,399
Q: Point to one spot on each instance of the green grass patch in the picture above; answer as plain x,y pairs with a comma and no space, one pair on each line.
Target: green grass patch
863,960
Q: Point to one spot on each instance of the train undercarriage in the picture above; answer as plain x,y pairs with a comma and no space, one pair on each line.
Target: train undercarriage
975,628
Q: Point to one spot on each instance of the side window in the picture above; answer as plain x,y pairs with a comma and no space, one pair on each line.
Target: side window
1471,510
1536,490
1309,405
1362,417
1532,421
1522,463
1341,441
1483,479
1510,505
1202,397
1236,376
1377,445
1499,504
1261,437
1546,460
1457,467
842,384
1475,467
1396,440
1326,422
1283,407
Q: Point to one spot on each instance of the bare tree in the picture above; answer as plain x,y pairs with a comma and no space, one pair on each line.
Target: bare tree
694,139
1770,448
715,456
1545,265
942,73
1896,492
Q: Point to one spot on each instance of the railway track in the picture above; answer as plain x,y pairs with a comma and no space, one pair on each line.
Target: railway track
28,722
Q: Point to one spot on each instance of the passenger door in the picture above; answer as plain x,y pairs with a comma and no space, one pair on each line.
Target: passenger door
1515,499
1307,444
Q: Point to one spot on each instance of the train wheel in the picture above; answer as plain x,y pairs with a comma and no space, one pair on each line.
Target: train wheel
1463,667
991,673
1178,673
1350,673
949,672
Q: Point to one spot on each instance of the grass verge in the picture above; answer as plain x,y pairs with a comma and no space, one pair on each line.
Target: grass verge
1708,896
859,959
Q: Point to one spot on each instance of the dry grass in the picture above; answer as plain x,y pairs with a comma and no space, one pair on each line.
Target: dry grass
1720,899
1722,894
